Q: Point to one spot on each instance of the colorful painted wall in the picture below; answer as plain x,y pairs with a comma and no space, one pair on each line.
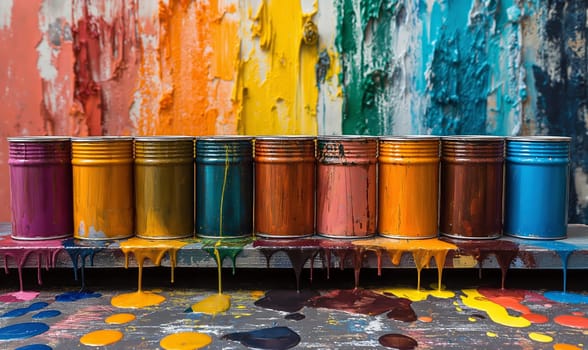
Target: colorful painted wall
146,67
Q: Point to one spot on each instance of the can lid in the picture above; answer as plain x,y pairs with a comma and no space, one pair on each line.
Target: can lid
540,138
101,138
38,139
285,137
164,138
481,138
224,138
410,138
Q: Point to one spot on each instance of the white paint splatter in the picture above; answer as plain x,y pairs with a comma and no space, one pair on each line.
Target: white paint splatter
47,70
5,13
374,326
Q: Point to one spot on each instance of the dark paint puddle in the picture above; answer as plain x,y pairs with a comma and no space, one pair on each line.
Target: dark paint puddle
276,338
75,296
398,341
22,330
35,347
79,251
365,302
504,251
295,316
25,310
46,314
285,300
229,248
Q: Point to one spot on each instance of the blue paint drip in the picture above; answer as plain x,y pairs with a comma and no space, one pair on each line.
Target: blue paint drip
79,251
35,347
47,314
25,310
566,298
278,338
75,296
22,330
563,250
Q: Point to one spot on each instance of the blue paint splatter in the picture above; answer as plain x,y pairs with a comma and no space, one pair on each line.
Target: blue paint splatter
35,347
22,330
567,298
356,325
47,314
25,310
278,338
79,251
75,296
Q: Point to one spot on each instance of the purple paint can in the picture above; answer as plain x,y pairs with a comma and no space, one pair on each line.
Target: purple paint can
41,187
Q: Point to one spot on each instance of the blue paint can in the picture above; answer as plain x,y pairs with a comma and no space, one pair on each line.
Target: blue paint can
537,186
224,187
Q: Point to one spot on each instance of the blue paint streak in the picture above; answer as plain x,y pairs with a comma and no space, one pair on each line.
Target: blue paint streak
35,347
75,296
47,314
278,338
22,330
567,298
25,310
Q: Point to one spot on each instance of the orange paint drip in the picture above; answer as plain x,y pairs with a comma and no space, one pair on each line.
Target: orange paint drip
572,321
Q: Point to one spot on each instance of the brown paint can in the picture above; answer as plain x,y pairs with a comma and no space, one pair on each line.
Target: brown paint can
472,175
285,177
346,186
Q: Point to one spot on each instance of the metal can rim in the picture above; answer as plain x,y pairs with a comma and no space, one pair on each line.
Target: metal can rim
163,138
221,138
285,137
38,139
482,138
411,138
540,138
346,137
101,138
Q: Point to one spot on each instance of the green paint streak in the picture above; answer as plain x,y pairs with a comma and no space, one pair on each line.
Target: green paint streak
364,42
228,248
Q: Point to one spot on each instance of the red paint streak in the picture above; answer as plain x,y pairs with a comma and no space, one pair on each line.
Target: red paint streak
572,321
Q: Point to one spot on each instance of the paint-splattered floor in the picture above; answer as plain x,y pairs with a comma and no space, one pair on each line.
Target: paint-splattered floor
463,316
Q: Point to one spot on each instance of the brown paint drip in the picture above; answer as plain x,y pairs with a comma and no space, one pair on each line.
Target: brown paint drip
398,341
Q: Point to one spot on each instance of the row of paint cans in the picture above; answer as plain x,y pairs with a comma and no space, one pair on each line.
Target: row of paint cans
294,177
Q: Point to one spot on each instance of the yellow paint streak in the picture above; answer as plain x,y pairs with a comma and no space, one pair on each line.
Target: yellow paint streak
540,337
497,313
422,251
196,60
185,341
101,338
420,295
492,334
213,304
276,82
136,300
120,318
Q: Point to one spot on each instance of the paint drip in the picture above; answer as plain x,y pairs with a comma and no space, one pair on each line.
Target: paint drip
185,341
397,341
22,330
276,338
285,300
79,251
497,313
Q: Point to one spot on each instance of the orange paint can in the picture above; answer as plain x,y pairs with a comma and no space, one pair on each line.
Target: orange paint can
346,186
285,177
409,187
103,187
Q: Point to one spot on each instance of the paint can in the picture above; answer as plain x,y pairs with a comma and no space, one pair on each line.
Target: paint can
164,187
285,179
103,187
408,191
346,186
537,186
224,187
472,173
40,187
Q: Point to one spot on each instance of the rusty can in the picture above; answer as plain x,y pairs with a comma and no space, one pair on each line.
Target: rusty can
408,169
40,187
164,187
346,186
285,178
472,177
103,187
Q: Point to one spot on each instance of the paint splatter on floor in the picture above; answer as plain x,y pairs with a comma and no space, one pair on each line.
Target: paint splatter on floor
22,330
277,338
185,341
398,341
101,337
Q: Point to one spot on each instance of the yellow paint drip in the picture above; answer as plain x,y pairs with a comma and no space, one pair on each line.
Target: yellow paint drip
136,300
276,82
213,304
120,318
420,295
540,337
497,313
472,319
422,251
185,341
101,338
492,334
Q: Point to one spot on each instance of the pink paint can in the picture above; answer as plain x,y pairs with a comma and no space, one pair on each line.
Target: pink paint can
40,187
346,186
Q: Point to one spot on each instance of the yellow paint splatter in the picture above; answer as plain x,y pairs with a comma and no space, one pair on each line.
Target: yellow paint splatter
540,337
213,304
185,341
472,298
472,319
101,338
276,83
120,318
419,295
492,334
136,300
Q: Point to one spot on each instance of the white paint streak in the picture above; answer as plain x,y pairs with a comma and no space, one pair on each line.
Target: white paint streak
47,70
5,13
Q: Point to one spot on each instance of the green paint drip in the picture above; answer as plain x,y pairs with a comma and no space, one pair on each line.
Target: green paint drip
228,248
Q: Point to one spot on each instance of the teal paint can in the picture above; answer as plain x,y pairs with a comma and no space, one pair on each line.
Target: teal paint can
224,187
537,186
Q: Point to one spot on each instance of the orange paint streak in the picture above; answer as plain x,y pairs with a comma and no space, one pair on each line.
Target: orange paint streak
572,321
512,300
